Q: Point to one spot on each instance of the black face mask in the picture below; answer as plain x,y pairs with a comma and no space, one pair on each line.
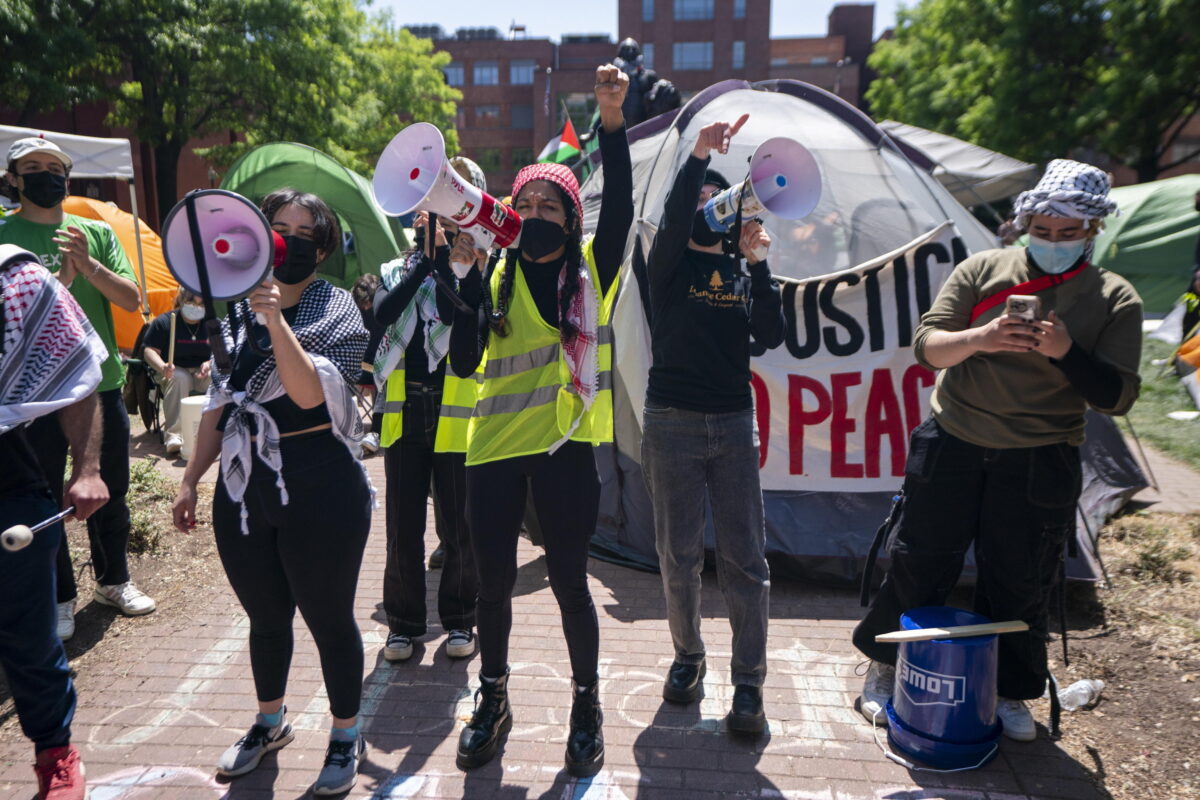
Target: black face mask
702,234
540,238
44,189
300,261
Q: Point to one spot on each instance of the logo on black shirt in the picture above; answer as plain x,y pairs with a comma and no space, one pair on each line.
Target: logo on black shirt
715,294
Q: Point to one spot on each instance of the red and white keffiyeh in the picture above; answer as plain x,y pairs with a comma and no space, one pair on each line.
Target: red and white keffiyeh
51,356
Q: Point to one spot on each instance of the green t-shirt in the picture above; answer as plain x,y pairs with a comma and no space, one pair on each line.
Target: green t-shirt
103,246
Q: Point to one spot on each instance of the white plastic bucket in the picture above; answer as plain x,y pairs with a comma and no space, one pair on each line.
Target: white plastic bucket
190,409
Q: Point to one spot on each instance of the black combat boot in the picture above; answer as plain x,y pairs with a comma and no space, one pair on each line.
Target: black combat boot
478,742
585,742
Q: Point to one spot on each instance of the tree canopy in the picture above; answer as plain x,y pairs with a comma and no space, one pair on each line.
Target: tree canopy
1039,79
319,72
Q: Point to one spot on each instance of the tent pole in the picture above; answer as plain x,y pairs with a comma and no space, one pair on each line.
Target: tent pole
137,235
1145,461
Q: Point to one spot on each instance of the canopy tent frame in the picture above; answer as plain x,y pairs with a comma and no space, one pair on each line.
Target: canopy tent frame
95,157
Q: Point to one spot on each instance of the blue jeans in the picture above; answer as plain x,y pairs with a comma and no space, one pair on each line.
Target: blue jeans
33,658
684,454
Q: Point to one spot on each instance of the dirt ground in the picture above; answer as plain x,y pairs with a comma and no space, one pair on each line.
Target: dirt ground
1142,638
1141,635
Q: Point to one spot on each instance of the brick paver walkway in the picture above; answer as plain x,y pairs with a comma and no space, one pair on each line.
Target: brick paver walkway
185,693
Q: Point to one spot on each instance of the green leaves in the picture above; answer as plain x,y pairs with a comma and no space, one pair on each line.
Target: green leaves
318,72
1038,79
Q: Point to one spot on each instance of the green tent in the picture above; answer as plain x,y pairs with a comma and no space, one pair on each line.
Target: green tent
1153,241
370,237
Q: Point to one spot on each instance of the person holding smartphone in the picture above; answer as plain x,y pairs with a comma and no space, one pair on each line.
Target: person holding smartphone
996,465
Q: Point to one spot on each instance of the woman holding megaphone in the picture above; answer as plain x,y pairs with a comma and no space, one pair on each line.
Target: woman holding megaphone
292,507
542,341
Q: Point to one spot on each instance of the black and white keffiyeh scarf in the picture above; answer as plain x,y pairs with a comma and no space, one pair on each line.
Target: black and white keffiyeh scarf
50,356
329,328
421,311
1067,189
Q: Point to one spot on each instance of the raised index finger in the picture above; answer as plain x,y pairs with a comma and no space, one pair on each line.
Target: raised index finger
737,126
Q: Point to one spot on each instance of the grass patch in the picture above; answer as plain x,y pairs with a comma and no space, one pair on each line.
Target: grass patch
150,496
1160,395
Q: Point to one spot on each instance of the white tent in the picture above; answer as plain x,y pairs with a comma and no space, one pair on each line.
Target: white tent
92,157
973,174
836,402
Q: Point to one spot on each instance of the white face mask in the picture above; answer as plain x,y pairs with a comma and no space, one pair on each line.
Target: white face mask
192,312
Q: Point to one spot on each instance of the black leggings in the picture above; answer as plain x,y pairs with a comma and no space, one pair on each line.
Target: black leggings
566,494
306,553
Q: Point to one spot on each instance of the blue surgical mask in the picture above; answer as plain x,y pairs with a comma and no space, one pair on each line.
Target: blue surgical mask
1056,258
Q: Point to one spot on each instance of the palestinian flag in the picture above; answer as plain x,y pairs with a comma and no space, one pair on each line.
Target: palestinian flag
561,148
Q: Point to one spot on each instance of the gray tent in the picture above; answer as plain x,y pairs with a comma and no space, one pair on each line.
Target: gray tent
973,174
886,234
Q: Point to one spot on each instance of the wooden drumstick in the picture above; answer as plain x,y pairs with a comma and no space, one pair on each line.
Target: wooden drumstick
956,632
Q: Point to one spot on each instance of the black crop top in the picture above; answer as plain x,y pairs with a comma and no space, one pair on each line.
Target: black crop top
287,415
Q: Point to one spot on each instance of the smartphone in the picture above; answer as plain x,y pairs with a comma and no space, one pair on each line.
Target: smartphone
1026,306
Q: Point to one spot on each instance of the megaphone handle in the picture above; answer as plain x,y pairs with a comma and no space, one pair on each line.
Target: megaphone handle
216,343
260,317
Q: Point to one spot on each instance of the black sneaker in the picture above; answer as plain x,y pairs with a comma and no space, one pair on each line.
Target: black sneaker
246,752
684,682
342,760
437,558
747,715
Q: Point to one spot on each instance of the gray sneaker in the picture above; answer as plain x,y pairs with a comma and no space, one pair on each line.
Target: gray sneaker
340,772
247,751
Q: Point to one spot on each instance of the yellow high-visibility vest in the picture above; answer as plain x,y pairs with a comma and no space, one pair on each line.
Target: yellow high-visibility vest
526,400
458,402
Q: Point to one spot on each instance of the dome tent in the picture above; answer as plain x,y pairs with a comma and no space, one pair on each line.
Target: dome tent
835,403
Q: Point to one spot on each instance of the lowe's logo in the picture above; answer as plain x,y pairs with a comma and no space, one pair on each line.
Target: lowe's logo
925,688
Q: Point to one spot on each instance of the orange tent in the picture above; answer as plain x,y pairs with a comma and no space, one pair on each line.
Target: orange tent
160,287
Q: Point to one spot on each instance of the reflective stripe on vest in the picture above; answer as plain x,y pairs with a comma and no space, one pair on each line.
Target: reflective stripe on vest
458,404
526,400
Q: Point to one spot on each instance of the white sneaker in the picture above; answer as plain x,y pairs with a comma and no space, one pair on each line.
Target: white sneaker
66,620
174,444
878,685
370,443
398,647
460,644
1017,720
131,601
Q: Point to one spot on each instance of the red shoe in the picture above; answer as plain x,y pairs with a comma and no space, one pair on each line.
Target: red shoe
60,774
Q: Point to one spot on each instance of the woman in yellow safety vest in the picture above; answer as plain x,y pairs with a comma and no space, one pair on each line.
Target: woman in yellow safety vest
540,346
424,435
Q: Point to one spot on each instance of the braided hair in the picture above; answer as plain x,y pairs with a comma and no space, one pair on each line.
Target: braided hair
497,316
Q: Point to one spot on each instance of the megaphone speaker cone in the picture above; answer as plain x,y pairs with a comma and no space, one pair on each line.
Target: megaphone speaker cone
786,178
232,237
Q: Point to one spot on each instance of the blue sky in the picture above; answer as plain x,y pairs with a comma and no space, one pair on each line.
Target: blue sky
553,18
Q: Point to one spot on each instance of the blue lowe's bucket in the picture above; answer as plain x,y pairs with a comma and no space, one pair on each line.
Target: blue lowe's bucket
943,709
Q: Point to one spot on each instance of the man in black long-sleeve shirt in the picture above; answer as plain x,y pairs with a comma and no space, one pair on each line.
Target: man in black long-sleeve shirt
698,431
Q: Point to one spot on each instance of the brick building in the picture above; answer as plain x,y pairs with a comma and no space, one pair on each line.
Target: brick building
515,88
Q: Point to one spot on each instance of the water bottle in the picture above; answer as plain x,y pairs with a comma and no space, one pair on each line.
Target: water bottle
1080,694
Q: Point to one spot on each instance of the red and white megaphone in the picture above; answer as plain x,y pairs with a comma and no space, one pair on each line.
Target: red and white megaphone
784,180
413,174
222,247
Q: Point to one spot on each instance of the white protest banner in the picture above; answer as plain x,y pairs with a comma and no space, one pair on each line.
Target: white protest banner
837,400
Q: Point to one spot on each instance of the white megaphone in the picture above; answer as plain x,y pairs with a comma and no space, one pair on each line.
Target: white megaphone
784,179
413,174
219,246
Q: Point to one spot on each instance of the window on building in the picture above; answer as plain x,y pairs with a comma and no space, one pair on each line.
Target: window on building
487,115
522,116
488,159
739,9
521,156
817,60
739,55
487,73
648,56
647,10
693,9
692,55
454,73
520,73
